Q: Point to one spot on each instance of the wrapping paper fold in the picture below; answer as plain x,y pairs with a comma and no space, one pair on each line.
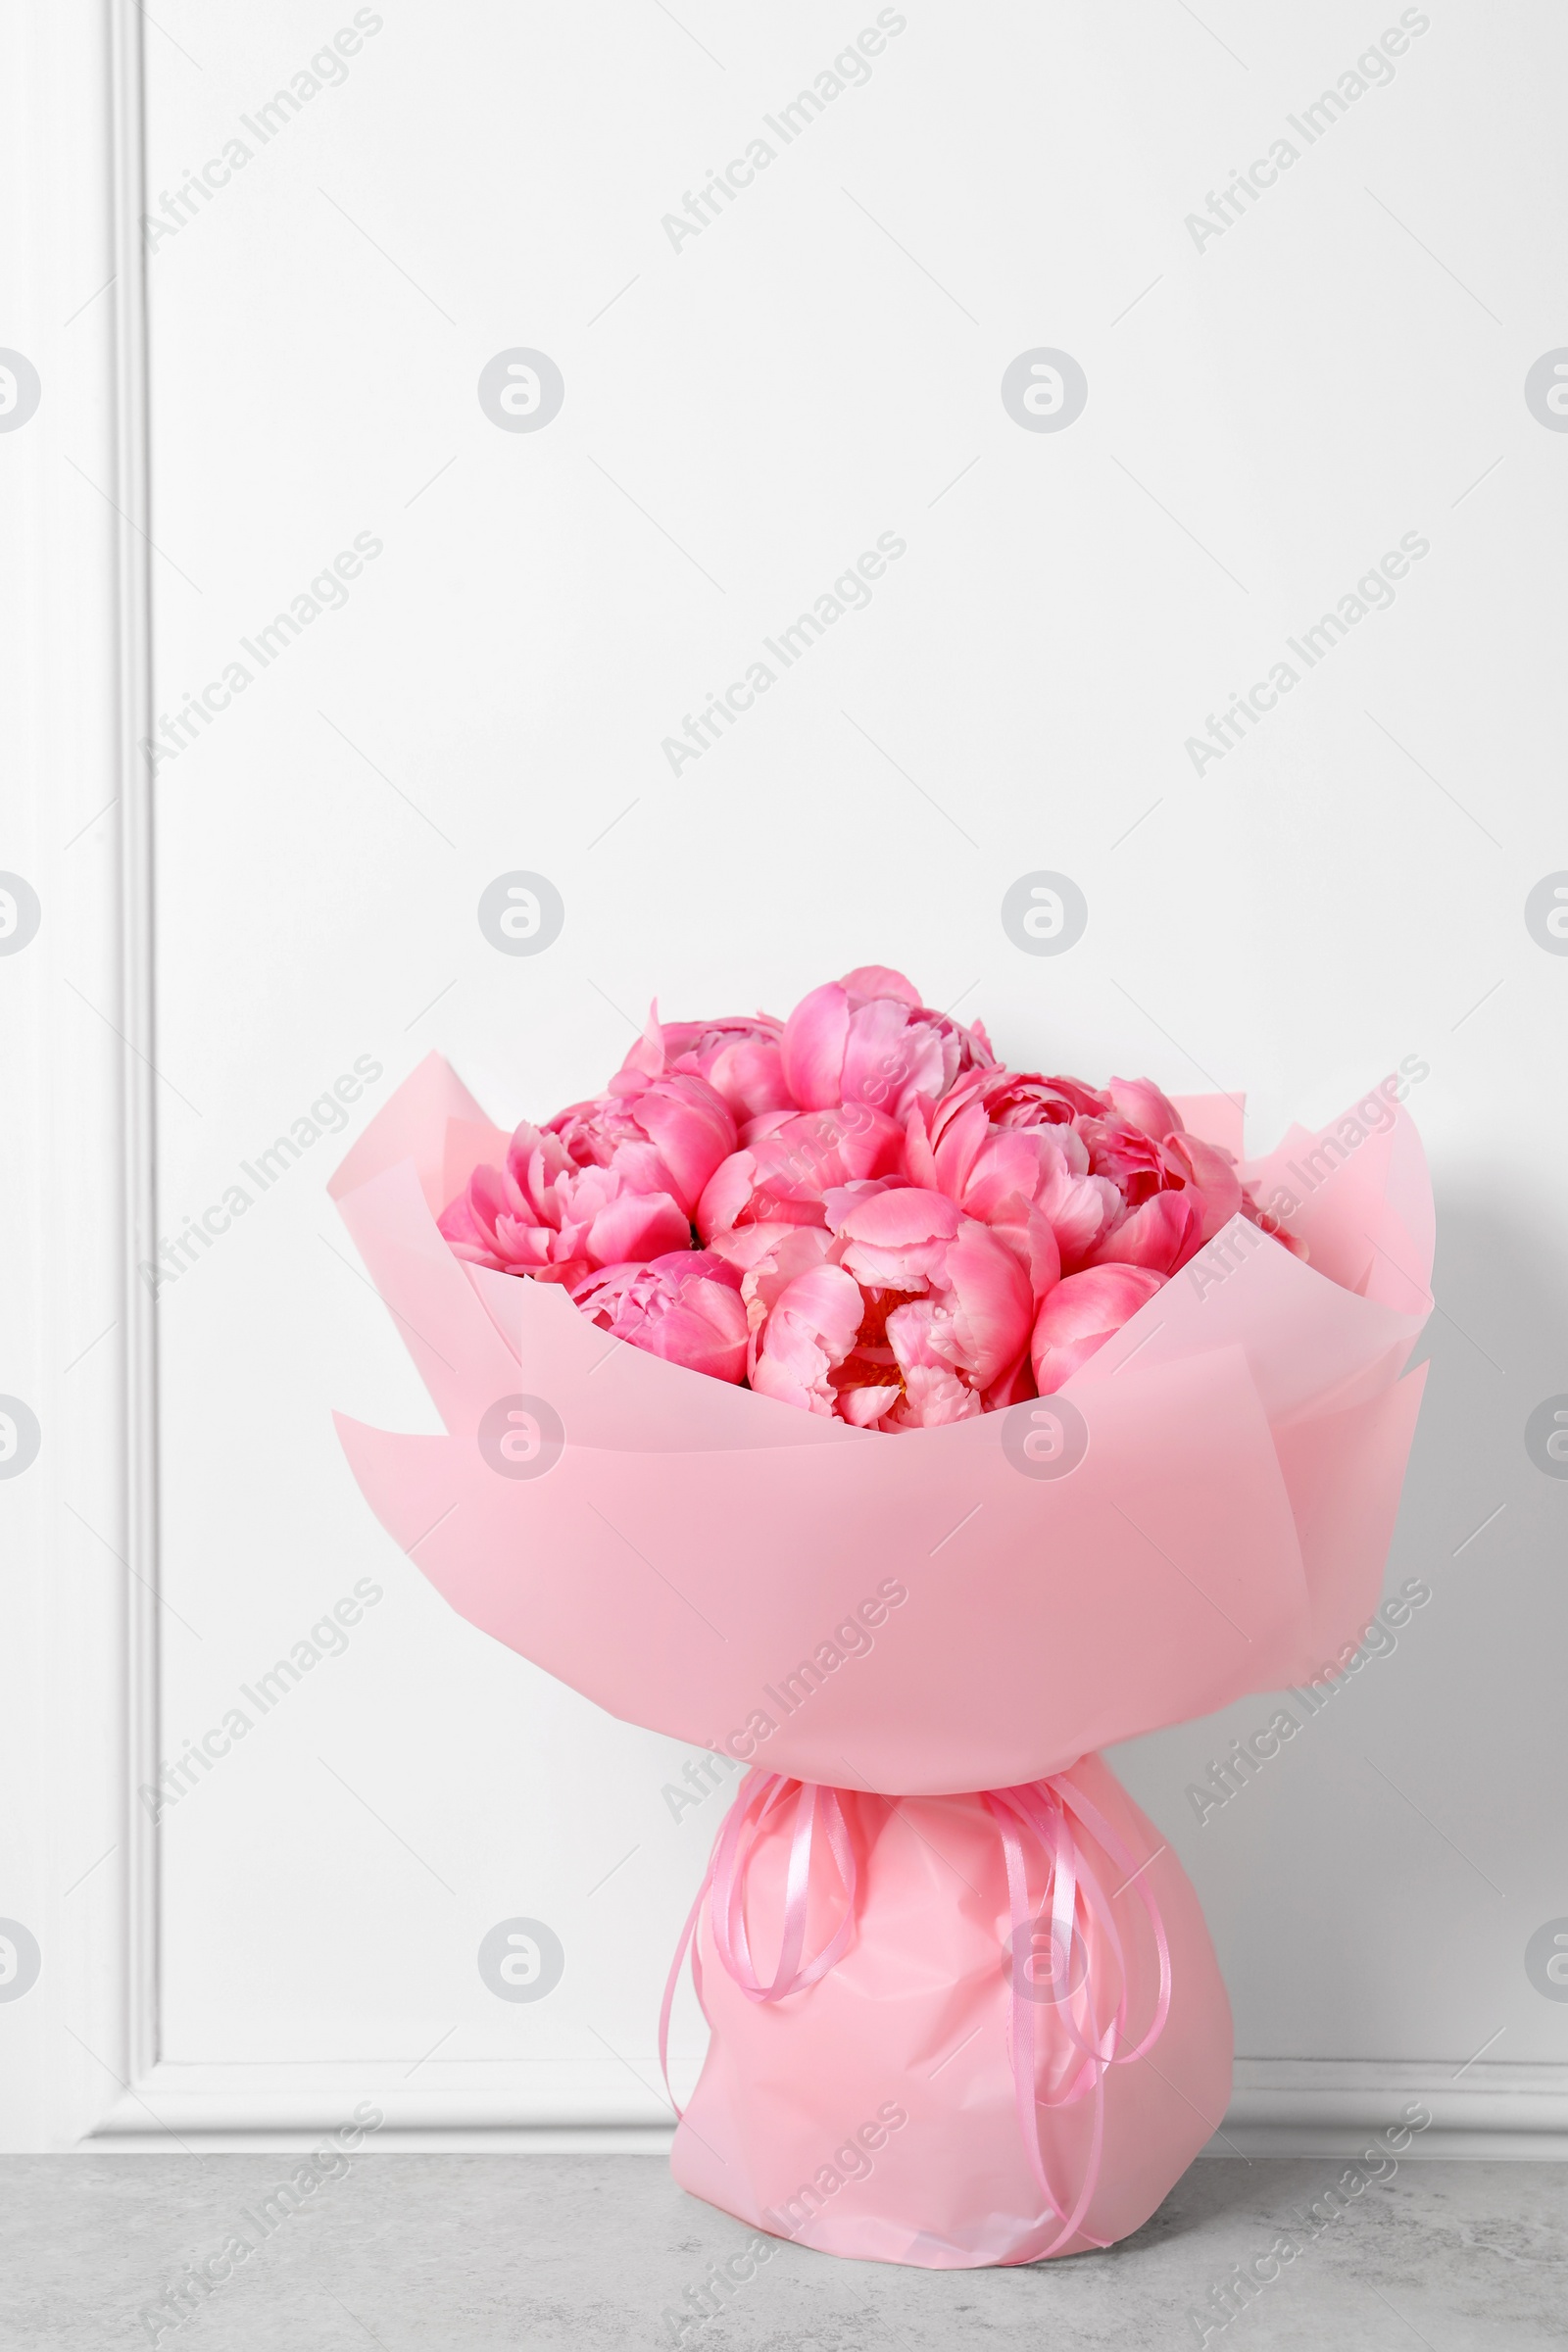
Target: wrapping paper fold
923,1613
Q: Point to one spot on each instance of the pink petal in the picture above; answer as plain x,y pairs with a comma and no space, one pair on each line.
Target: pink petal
648,1055
933,1397
893,1219
1081,1315
810,1330
1141,1101
1213,1176
992,1302
880,980
813,1042
1032,1239
1002,1163
896,1238
1161,1235
637,1225
967,1141
887,1057
684,1307
866,1407
749,1073
690,1128
461,1227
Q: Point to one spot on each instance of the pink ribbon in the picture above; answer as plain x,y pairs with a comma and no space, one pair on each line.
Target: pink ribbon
1046,1809
724,1881
1037,1817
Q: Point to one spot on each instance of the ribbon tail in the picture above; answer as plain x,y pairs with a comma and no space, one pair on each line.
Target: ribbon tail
672,1980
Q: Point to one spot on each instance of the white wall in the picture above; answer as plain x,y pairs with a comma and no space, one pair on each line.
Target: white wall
1267,414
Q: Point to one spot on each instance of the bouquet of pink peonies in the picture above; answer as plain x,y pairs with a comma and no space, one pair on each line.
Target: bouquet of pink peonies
1152,1417
857,1210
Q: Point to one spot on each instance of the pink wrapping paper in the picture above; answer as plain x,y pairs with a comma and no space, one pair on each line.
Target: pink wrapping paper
914,1613
912,1621
915,2018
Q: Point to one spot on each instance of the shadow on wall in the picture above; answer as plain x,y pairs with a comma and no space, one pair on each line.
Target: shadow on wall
1319,1878
1498,1344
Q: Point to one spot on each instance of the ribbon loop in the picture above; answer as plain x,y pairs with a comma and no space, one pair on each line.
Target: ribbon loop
723,1889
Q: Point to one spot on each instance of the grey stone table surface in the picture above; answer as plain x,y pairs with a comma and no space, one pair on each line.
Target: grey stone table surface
536,2253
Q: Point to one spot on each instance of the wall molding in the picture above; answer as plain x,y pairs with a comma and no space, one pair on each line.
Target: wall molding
1280,2107
139,1024
1302,2106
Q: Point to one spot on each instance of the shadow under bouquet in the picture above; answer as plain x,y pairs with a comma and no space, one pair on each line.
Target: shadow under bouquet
913,1428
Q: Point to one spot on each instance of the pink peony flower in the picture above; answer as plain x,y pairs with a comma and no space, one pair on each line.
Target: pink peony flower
1128,1157
1130,1144
666,1134
1081,1315
738,1058
783,1173
963,1322
809,1330
1031,1185
869,1039
931,1393
1023,1099
895,1237
685,1306
543,1215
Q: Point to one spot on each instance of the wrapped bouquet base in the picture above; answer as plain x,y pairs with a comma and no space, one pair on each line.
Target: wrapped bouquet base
986,2073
